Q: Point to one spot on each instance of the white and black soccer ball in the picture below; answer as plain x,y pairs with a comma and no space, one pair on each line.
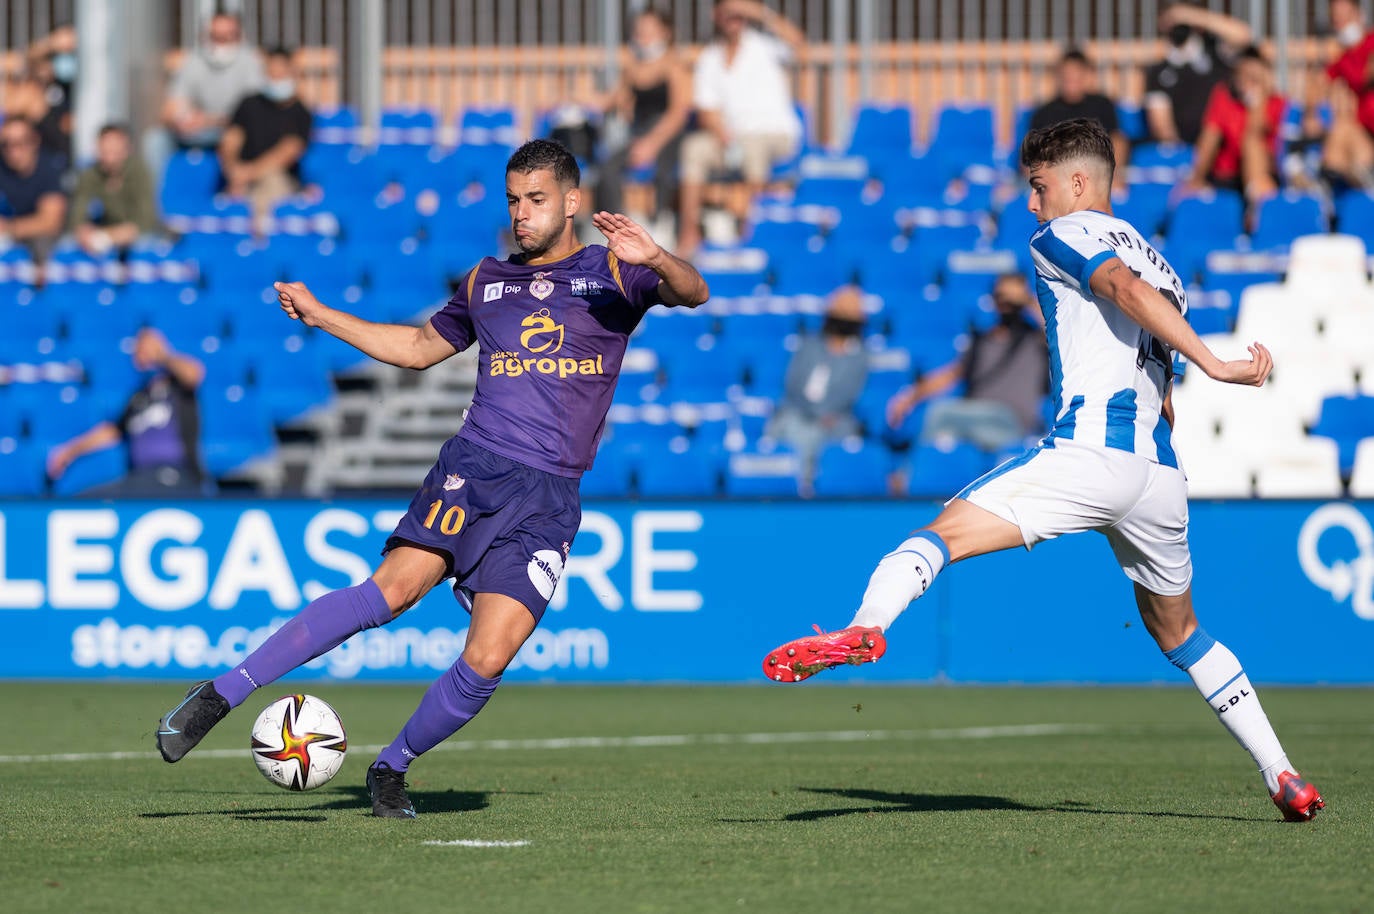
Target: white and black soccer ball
299,742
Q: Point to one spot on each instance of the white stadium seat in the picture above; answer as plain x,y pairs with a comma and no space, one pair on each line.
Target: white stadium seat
1309,470
1303,377
1327,262
1214,472
1362,479
1277,316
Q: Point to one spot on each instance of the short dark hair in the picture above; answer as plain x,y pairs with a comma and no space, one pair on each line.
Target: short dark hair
1252,52
1079,138
114,127
279,50
546,155
1076,55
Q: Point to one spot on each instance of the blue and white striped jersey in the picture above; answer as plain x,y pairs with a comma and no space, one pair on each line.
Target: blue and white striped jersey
1107,375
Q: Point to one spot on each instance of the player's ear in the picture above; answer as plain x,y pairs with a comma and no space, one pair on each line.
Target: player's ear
572,201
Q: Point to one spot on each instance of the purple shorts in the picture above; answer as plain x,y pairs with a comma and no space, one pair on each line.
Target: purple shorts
503,527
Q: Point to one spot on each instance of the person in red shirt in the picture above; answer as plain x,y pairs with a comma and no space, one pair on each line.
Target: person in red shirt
1239,144
1348,151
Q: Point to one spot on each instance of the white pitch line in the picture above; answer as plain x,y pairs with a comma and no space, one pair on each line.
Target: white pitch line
470,842
635,742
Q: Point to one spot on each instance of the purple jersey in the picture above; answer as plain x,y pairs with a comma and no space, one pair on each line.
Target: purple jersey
550,341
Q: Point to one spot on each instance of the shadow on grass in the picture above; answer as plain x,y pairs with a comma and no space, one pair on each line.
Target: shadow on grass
351,799
882,801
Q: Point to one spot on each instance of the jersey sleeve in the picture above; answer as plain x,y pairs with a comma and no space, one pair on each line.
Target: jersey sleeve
637,283
1071,251
454,320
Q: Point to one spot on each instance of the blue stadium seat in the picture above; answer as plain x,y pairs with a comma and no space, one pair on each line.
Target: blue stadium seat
692,473
333,126
56,413
964,138
99,468
881,131
493,125
22,469
853,469
407,126
742,271
1286,216
1199,224
1347,420
1146,207
934,244
611,475
1355,215
756,474
234,429
190,180
937,472
292,381
1130,117
841,196
806,274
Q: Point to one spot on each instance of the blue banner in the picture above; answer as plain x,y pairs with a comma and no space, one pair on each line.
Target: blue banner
687,592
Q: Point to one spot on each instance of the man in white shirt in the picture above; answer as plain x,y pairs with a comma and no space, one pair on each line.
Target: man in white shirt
1114,317
743,102
212,81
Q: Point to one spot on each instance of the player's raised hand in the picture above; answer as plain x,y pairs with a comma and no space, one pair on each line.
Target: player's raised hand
1252,371
298,302
626,238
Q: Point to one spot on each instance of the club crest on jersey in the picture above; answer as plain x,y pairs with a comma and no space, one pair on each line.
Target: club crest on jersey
453,482
543,336
541,288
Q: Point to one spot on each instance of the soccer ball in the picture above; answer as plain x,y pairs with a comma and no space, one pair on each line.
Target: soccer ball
299,742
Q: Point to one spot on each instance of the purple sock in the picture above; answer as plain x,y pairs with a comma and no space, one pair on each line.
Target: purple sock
319,628
451,701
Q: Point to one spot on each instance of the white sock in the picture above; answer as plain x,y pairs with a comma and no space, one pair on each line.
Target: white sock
901,576
1218,676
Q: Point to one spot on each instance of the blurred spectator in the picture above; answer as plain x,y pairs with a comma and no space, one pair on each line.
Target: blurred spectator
1239,145
33,207
1074,97
824,379
1005,373
1348,151
1201,50
113,201
213,79
744,108
44,95
160,423
260,154
655,97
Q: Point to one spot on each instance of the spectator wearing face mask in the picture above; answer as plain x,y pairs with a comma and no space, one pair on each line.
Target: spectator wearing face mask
260,153
1239,145
1348,150
1005,376
43,96
654,97
212,81
824,380
1201,50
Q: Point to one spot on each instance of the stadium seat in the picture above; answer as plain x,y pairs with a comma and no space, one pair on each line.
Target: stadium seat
292,381
1362,475
1309,471
1146,207
99,468
1206,222
763,474
22,470
1335,262
1355,216
853,469
744,271
1347,420
963,141
1282,218
1215,473
333,126
691,473
234,430
189,181
940,472
488,126
881,131
611,475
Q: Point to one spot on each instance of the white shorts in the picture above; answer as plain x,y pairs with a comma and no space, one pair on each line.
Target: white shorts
1062,486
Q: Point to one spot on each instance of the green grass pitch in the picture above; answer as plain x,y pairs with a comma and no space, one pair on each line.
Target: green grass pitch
822,796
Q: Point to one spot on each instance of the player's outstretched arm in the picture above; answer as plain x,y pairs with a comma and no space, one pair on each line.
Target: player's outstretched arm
396,344
680,283
1143,303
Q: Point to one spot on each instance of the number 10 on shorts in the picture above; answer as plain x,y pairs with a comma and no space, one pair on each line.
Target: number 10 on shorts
450,523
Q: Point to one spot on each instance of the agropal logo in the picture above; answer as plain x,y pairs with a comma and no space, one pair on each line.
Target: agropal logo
542,336
1348,577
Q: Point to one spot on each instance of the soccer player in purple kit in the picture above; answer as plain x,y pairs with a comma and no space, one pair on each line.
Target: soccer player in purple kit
499,510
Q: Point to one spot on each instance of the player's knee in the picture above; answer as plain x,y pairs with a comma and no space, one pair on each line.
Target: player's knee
487,660
399,593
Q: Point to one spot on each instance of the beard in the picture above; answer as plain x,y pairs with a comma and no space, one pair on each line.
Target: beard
537,245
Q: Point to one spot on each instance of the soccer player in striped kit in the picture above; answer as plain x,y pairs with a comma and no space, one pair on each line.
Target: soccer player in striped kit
1114,316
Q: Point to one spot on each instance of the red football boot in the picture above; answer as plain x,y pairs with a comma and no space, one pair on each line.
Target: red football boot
805,657
1297,799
